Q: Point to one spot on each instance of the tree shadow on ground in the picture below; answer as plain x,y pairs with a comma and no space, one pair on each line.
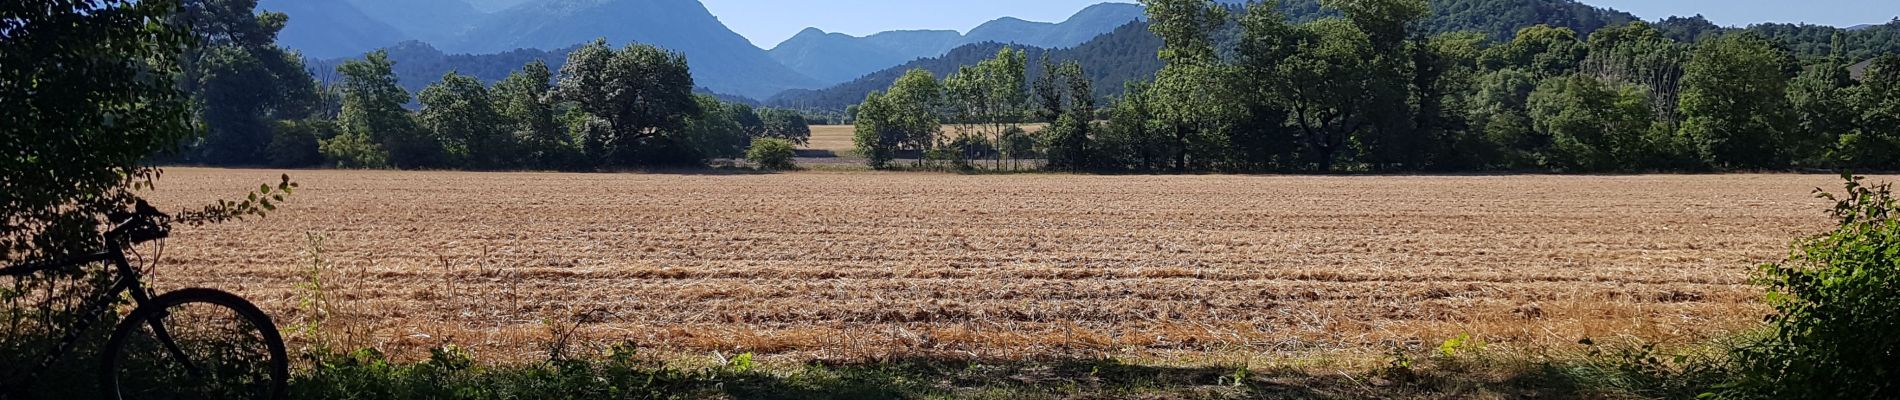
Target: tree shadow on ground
1072,378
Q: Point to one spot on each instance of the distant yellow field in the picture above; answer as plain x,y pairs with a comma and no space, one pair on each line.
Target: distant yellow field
857,266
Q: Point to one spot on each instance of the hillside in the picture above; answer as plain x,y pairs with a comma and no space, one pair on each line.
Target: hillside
721,59
418,64
1126,54
834,57
328,29
433,21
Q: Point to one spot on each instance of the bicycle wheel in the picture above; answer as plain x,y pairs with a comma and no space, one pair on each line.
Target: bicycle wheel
196,344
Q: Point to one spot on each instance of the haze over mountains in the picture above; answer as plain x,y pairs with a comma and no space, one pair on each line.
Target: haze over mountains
722,61
835,57
812,69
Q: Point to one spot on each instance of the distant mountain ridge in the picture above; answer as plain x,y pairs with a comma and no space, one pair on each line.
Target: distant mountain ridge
721,59
1126,54
328,29
834,57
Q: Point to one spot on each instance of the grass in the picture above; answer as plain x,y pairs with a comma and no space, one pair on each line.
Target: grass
1623,371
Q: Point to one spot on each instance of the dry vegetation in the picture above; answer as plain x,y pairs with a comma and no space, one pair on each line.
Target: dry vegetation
852,266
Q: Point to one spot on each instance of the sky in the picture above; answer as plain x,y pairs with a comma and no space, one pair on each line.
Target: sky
768,22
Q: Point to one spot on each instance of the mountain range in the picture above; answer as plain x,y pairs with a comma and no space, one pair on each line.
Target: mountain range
835,57
722,60
820,70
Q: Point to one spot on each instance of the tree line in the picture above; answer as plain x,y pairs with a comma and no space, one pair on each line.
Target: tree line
605,108
1367,90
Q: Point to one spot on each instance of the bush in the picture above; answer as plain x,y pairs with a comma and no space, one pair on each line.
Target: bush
295,143
772,154
1835,334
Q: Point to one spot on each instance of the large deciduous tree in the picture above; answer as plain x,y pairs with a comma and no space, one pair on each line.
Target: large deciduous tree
376,130
241,81
1878,100
644,93
1734,101
1190,110
1592,125
461,115
522,98
87,94
1328,87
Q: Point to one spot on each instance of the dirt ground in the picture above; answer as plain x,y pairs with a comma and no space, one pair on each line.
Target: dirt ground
865,265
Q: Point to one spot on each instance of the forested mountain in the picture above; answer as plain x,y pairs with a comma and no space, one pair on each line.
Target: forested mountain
1126,54
494,5
834,57
435,21
328,29
837,57
720,59
417,65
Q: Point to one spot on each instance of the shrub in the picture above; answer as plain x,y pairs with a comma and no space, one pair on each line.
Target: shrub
1835,333
771,154
294,143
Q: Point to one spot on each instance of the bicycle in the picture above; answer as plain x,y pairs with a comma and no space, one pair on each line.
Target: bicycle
186,344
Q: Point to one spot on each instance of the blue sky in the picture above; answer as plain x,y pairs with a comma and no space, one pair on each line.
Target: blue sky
768,22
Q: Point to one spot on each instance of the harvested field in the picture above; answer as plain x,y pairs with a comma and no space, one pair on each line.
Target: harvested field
851,266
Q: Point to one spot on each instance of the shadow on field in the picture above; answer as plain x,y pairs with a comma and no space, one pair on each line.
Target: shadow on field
815,153
1054,379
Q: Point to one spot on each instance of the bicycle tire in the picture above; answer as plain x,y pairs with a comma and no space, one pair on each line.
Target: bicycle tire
278,365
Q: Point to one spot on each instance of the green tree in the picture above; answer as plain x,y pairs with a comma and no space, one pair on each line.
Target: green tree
1734,101
241,94
1592,126
241,81
1069,142
461,115
1384,22
643,92
784,124
987,97
1131,138
1261,138
1191,111
376,130
1445,85
1390,140
772,154
89,92
1639,54
521,98
877,135
1328,87
1822,101
715,133
915,100
1878,102
1500,109
1542,50
1016,144
294,143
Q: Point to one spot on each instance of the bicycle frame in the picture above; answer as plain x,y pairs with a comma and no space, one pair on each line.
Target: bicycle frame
127,280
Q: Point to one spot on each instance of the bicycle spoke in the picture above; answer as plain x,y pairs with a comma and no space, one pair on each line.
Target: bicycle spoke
195,350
